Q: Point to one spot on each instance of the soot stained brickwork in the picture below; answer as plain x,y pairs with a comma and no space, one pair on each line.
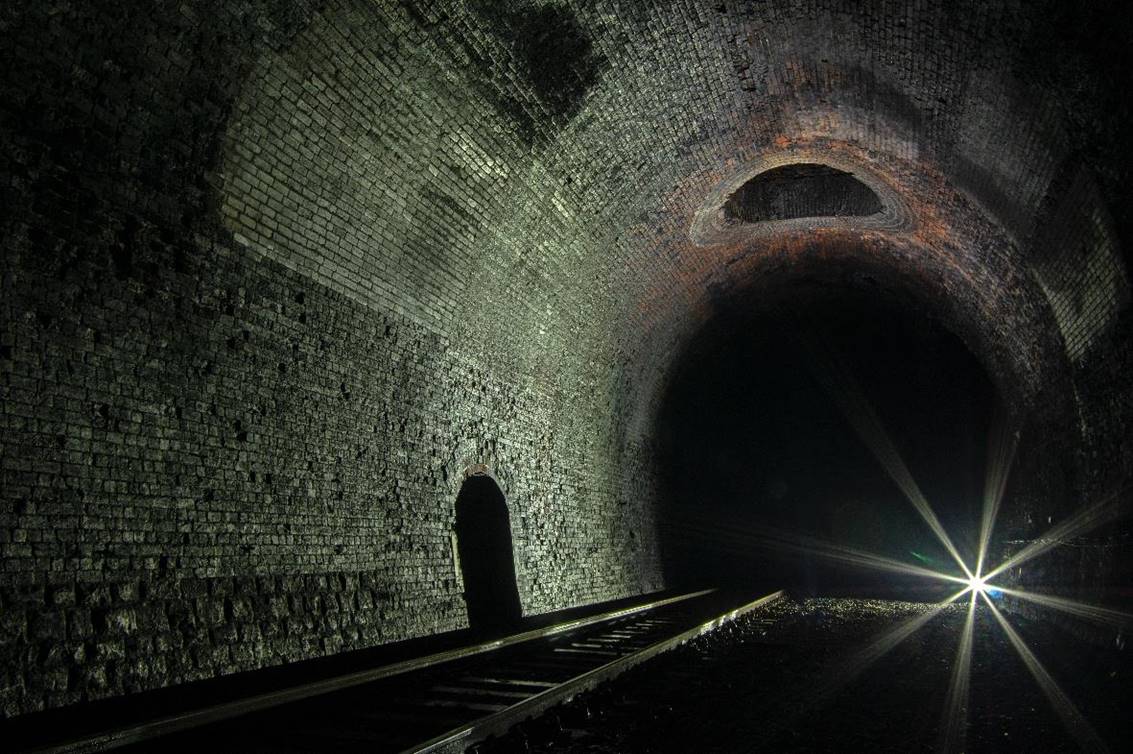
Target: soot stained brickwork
123,102
274,274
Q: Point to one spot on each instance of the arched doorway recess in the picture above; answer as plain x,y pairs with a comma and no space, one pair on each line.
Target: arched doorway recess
484,547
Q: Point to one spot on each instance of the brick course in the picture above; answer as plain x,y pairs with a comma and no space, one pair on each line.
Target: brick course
275,273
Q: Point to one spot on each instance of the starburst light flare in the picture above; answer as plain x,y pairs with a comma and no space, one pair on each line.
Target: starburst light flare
954,727
1108,510
840,384
778,540
1001,454
856,664
1084,734
1093,613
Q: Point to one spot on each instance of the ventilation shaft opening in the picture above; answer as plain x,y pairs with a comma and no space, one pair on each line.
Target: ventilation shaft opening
801,190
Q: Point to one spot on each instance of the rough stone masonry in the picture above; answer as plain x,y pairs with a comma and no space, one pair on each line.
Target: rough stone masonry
274,274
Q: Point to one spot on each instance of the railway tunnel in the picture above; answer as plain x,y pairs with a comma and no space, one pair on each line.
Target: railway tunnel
330,326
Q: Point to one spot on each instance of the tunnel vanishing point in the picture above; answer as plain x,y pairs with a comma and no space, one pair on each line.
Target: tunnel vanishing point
329,324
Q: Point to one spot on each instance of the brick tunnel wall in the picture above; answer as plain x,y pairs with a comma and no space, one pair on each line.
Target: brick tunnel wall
274,275
225,450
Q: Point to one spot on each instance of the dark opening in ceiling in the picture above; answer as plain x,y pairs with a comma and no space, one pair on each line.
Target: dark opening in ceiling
801,190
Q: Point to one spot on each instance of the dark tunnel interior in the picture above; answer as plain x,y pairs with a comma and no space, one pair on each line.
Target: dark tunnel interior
342,338
754,447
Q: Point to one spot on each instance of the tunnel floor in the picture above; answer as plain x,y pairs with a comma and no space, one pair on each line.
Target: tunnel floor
754,686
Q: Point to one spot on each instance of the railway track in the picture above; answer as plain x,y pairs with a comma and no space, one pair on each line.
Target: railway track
442,702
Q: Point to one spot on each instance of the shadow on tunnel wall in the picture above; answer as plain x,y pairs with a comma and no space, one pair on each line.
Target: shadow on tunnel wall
756,455
483,534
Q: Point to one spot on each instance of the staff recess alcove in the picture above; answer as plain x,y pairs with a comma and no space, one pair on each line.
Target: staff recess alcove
484,548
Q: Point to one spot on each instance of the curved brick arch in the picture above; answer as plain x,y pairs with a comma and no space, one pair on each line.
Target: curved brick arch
484,543
271,279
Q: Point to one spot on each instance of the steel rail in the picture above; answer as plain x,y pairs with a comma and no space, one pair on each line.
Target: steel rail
131,734
457,739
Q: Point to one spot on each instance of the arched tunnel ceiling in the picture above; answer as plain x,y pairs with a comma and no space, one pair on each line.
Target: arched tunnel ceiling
528,177
275,274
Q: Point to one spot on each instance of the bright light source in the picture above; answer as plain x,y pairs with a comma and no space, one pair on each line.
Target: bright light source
977,584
